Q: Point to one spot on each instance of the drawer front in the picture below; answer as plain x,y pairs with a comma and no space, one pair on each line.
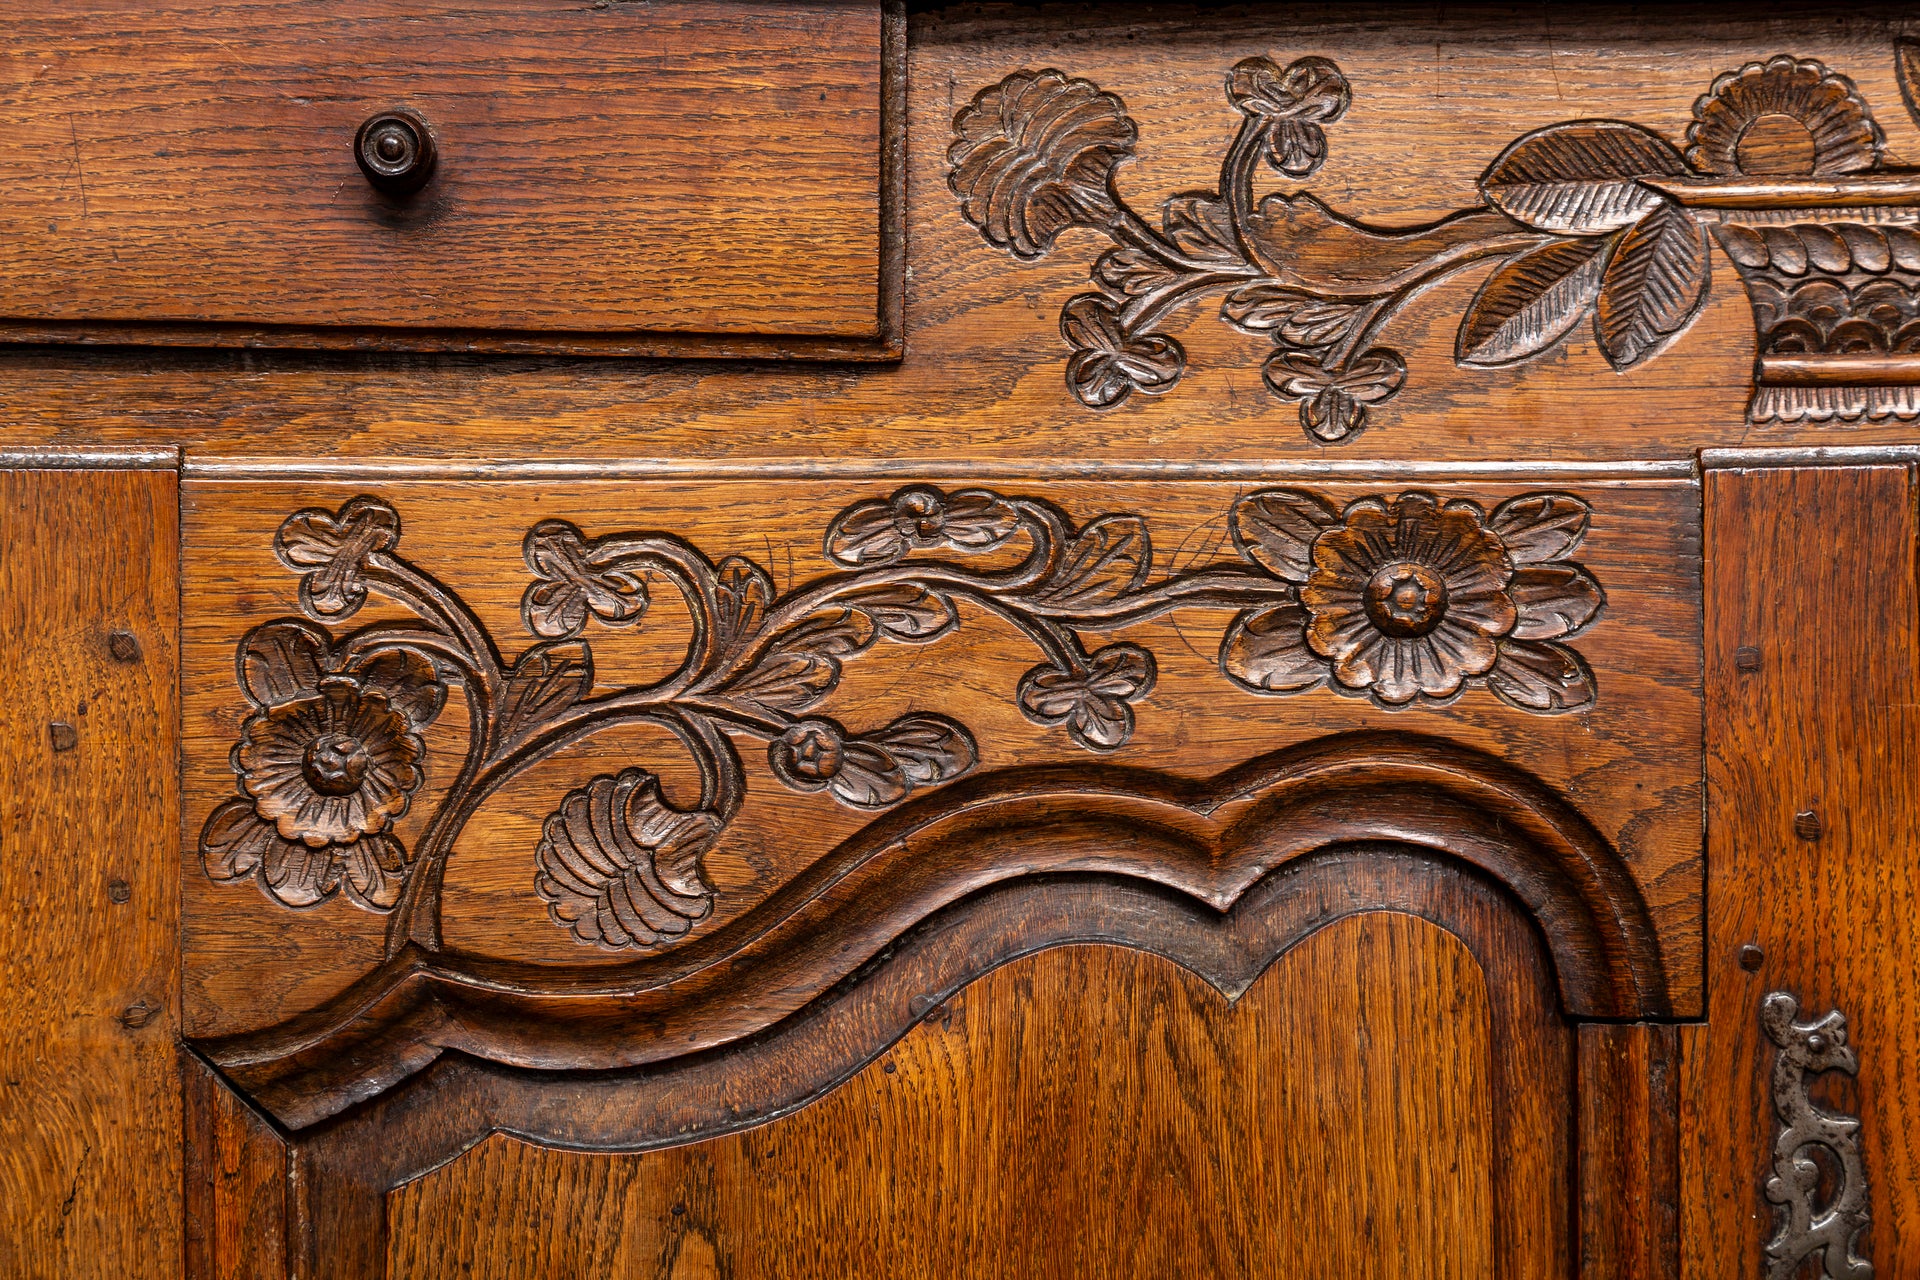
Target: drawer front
697,177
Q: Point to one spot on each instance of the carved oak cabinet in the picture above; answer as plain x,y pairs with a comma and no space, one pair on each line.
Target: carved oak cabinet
798,638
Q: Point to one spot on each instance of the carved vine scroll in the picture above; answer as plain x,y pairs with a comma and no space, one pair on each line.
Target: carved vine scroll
1604,222
1399,598
1806,1224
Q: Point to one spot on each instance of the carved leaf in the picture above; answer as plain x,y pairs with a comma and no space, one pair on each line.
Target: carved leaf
907,611
1906,64
619,867
282,660
331,550
1275,529
1200,224
1108,559
1092,703
1536,527
409,681
1128,272
803,665
1531,301
883,767
1554,600
373,871
1655,284
1537,675
742,594
919,517
546,680
568,586
1266,650
1582,177
1297,320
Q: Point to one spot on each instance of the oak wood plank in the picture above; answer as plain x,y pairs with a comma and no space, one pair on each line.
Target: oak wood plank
90,1121
1338,1118
1812,682
193,163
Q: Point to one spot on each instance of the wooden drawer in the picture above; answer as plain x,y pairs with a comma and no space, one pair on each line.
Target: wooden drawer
692,178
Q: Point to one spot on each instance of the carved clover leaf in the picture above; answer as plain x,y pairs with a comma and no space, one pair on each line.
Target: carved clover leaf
920,518
871,770
1093,702
1333,399
330,550
571,583
1293,104
1033,155
1108,363
619,867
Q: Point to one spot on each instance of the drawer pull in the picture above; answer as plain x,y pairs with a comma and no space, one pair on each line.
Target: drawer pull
395,151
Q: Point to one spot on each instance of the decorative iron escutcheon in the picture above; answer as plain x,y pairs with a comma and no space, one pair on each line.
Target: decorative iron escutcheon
1804,1226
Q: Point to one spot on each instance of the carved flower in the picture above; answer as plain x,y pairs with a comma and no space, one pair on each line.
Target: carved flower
875,769
1032,156
1333,399
570,584
1108,363
1406,598
620,867
920,518
1092,701
1785,117
330,758
330,550
1292,104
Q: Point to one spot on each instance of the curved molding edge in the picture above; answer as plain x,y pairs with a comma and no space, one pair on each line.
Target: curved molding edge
1202,845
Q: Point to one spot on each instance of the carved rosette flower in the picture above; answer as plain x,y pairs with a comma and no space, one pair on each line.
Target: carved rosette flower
1109,364
327,762
1334,398
1291,104
1033,155
919,518
1407,599
1786,117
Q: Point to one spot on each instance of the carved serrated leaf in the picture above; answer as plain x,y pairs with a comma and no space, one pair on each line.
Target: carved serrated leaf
1128,272
1275,529
1537,527
1267,650
619,867
546,680
1538,675
1200,224
742,594
1582,177
1531,301
803,665
1106,560
1554,600
1655,283
282,660
907,611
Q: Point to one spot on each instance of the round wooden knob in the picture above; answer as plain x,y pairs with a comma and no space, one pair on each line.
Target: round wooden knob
395,151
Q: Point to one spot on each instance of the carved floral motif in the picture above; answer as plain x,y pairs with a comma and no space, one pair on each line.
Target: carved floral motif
1600,221
1406,598
1401,598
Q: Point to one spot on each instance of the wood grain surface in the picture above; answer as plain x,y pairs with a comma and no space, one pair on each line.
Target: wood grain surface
90,1120
1339,1117
234,1189
1812,570
1630,765
1438,94
700,168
